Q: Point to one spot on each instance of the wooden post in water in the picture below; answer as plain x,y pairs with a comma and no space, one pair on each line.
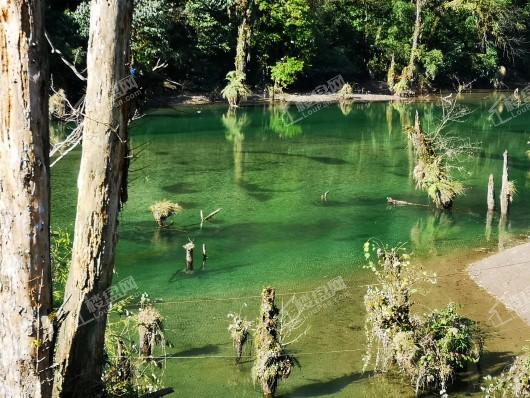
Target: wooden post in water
491,194
189,256
505,190
204,256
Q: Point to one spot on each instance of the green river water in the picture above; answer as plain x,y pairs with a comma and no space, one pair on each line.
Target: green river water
273,229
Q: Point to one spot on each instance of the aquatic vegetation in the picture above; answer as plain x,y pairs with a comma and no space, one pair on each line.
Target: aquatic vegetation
427,350
431,172
236,89
163,210
150,329
272,362
514,382
239,329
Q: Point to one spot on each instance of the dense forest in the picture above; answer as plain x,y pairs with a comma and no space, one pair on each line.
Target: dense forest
190,45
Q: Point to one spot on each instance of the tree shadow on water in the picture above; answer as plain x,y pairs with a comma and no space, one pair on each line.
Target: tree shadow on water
328,387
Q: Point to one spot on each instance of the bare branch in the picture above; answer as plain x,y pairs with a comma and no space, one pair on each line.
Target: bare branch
54,50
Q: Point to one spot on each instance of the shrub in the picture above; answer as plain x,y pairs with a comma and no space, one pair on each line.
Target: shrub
284,73
345,92
236,89
429,350
515,382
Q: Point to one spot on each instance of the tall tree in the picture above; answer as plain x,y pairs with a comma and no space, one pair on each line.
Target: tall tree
102,191
409,72
244,12
25,293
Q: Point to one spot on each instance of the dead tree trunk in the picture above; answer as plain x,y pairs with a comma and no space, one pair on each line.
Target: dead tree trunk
25,276
505,189
491,194
102,183
189,256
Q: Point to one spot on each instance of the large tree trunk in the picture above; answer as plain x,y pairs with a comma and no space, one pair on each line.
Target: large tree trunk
409,72
243,37
102,191
25,281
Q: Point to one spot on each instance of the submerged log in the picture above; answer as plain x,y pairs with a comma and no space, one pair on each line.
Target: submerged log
188,247
505,189
395,202
491,194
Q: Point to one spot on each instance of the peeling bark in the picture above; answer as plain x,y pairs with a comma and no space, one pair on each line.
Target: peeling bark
102,191
25,274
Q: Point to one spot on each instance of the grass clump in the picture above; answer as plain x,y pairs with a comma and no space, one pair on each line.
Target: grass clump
514,382
427,350
236,89
163,210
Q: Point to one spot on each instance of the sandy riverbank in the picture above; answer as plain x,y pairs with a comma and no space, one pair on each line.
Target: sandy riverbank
506,276
201,99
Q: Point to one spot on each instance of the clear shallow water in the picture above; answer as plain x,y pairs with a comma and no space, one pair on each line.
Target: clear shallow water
273,230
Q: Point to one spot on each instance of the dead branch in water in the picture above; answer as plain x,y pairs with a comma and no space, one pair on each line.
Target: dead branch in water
209,216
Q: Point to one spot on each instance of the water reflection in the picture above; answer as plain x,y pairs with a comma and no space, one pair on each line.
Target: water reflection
428,231
234,124
282,121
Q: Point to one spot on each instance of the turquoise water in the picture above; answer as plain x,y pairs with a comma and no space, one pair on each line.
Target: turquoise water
274,230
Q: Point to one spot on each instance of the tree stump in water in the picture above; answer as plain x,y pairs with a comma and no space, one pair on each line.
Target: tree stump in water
204,256
189,256
150,329
491,194
505,189
272,362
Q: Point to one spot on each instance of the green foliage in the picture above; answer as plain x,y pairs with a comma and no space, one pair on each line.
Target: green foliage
126,373
460,39
284,73
512,383
236,89
152,22
429,350
60,255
